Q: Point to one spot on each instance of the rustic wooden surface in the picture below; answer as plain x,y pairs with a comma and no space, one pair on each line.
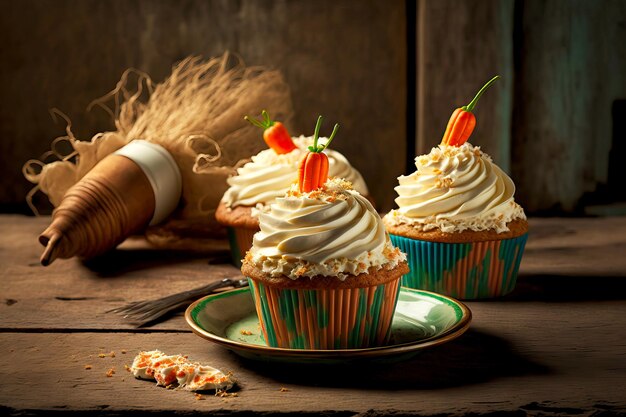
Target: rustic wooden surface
556,346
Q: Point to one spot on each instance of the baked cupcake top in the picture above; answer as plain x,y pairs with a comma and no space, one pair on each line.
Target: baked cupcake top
269,175
455,188
330,231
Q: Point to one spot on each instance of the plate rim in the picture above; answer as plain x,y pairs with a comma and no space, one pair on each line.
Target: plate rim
452,333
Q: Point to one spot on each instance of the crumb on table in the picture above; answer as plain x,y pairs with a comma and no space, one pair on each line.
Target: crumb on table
224,394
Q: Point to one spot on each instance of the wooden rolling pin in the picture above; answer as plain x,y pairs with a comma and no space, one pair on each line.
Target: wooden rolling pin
137,186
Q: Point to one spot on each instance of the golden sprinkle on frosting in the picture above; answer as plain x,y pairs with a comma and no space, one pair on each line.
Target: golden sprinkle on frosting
444,182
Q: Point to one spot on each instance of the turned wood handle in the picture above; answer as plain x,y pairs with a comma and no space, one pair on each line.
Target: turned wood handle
111,202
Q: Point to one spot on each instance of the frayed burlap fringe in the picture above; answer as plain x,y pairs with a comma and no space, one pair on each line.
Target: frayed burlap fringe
196,114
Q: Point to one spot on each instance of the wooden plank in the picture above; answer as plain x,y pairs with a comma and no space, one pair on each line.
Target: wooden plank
345,60
567,78
460,46
544,349
73,294
518,357
561,257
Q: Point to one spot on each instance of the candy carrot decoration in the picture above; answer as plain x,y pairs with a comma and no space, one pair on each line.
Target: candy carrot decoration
313,170
274,133
462,122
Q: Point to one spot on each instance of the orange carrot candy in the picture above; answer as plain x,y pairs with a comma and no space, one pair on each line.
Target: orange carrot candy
313,169
274,133
462,122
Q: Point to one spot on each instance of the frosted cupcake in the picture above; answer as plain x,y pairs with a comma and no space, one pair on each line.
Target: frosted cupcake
457,218
269,175
323,272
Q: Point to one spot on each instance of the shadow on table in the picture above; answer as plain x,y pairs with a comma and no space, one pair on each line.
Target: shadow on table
475,357
121,261
562,288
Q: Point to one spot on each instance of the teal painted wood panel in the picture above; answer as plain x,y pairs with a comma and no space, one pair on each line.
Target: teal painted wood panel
571,67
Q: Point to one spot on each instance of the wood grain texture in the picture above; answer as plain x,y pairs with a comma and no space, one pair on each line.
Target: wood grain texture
517,362
460,46
568,74
345,60
75,295
555,346
70,294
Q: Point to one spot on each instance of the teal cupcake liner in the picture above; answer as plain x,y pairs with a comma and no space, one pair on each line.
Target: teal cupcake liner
334,318
462,270
240,240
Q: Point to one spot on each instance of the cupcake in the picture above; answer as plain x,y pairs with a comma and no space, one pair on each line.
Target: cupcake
269,175
322,270
457,219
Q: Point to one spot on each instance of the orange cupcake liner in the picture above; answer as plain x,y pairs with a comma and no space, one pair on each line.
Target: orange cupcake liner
463,270
325,318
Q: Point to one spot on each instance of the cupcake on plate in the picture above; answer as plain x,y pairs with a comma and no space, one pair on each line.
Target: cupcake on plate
457,218
269,175
322,270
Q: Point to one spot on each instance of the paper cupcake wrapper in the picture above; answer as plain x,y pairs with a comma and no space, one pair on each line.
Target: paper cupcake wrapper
463,270
325,318
240,239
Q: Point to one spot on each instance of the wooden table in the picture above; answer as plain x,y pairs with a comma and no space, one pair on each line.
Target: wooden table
556,346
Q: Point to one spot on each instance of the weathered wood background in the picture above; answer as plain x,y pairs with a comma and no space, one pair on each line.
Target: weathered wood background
390,72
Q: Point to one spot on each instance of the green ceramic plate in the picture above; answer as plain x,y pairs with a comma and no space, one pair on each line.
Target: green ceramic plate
423,319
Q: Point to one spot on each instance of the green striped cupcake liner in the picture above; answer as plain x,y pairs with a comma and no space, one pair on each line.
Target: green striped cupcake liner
462,270
325,318
240,240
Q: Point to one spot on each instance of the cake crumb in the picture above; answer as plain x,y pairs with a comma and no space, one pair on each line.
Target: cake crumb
88,367
112,354
127,368
110,372
123,351
101,355
245,332
283,389
224,394
199,396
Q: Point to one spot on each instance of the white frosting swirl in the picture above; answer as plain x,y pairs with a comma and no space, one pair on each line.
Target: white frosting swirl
454,189
331,232
270,175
